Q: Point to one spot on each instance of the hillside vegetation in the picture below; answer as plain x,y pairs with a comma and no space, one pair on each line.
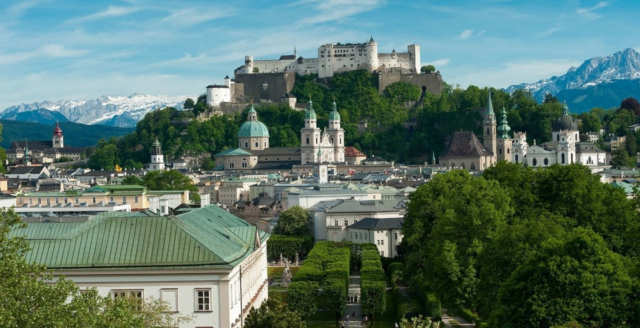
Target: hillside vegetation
356,94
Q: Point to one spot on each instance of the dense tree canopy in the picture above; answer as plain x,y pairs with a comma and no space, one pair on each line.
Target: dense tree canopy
273,314
293,222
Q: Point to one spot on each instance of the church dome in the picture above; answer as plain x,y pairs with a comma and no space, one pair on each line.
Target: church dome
565,122
311,114
57,132
253,129
334,115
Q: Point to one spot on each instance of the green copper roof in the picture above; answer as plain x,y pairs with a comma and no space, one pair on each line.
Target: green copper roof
208,237
252,127
489,106
234,152
311,114
565,108
503,127
334,115
156,143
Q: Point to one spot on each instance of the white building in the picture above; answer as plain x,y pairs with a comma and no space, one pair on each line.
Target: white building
331,220
337,58
206,263
386,234
157,159
307,197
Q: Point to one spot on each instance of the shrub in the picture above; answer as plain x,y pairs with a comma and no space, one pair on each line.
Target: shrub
301,297
288,246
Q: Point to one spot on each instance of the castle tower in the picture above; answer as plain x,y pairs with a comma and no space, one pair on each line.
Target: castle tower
310,136
504,142
253,134
248,64
58,138
489,128
336,134
414,53
372,52
157,159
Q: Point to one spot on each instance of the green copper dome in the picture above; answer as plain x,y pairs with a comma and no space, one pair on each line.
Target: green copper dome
252,127
334,115
156,143
311,114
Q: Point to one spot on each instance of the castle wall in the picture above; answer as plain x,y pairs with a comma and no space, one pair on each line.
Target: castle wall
274,66
432,82
217,94
394,59
266,86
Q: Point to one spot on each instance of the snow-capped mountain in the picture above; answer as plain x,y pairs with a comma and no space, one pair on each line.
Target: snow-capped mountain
623,65
122,111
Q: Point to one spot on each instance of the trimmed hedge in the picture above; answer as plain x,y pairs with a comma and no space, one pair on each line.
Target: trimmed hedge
288,246
373,286
301,297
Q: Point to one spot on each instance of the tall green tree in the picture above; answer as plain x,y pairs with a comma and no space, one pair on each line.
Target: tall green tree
293,221
576,279
170,180
448,222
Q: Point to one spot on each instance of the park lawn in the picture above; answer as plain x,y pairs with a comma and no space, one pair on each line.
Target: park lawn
321,320
276,272
388,318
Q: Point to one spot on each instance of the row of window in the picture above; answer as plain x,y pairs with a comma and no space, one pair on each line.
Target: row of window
77,200
346,222
202,297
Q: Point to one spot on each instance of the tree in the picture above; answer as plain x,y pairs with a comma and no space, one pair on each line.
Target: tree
620,158
189,104
32,297
576,279
632,105
132,180
170,180
293,222
447,224
273,314
208,164
427,69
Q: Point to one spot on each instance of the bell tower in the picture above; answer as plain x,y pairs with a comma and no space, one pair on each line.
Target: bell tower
489,128
58,138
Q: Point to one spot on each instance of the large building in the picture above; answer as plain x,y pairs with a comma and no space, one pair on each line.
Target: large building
338,58
44,151
205,263
465,150
254,153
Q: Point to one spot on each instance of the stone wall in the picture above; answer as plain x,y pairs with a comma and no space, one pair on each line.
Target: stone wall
432,82
277,84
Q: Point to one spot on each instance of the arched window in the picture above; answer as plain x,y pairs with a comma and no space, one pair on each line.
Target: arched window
516,158
562,158
546,161
231,165
557,137
307,141
265,144
331,140
246,144
589,160
462,165
244,165
500,151
508,151
453,165
472,167
571,157
256,144
487,131
535,162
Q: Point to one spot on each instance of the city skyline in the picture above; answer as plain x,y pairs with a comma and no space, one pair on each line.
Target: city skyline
74,50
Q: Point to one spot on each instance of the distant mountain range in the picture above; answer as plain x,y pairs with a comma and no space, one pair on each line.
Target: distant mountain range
75,134
119,111
598,82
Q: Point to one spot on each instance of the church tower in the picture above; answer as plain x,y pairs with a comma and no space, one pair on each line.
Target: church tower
504,140
57,139
336,134
157,159
26,160
489,128
310,136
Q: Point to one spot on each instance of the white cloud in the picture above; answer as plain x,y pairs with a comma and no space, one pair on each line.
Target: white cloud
439,62
547,32
331,10
59,51
49,51
193,16
466,34
589,12
111,11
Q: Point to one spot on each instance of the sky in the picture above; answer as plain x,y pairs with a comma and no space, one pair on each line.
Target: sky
79,49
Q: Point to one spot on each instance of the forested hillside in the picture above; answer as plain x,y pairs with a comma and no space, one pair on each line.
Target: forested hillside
75,134
431,121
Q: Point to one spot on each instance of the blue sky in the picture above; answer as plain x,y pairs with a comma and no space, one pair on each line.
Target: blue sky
79,49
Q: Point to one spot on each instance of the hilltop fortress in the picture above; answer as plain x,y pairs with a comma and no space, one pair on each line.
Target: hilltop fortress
273,80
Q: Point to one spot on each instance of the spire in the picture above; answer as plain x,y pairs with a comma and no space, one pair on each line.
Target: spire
503,127
489,107
371,39
311,114
433,157
565,109
334,115
252,115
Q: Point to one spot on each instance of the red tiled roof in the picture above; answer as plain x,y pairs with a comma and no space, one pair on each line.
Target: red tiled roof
352,152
